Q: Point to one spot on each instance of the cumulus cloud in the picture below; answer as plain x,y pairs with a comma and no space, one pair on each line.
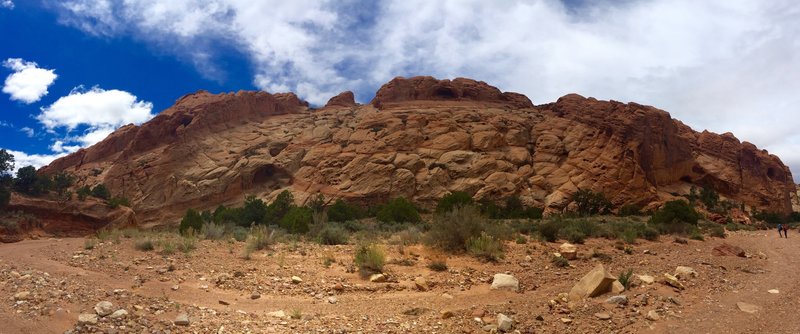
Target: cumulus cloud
8,4
100,111
722,65
28,83
22,159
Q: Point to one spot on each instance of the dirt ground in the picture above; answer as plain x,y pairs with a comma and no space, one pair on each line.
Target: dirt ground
215,286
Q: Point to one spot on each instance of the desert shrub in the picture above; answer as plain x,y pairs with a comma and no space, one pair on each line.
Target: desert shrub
526,227
342,211
89,244
279,208
601,256
168,248
29,182
297,220
453,200
716,231
115,202
333,235
709,198
398,210
83,192
590,203
408,236
630,210
316,203
549,229
649,233
296,314
490,209
521,240
485,247
794,217
253,212
260,238
191,220
675,217
451,231
696,235
370,259
559,261
771,218
624,278
100,191
573,234
438,265
629,235
239,233
187,244
61,183
144,245
211,231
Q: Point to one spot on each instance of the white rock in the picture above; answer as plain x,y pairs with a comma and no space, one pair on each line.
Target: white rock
182,319
646,279
685,272
568,251
119,314
377,278
87,318
748,308
277,314
296,280
505,282
104,308
504,323
774,291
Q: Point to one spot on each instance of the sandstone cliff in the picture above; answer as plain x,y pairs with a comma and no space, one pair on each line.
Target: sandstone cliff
419,138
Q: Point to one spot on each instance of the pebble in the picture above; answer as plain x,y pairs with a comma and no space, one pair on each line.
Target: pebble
182,319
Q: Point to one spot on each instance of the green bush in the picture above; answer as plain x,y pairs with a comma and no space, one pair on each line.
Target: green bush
29,182
453,200
549,229
437,265
100,191
398,210
573,234
279,208
590,203
342,211
191,221
630,210
253,212
211,231
144,245
83,192
716,231
709,198
625,278
297,220
485,247
115,202
675,217
649,233
61,183
239,233
333,235
370,259
316,203
452,230
559,261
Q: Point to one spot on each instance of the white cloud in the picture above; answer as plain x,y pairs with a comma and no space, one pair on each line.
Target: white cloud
722,65
28,132
100,111
59,147
4,124
22,159
8,4
28,83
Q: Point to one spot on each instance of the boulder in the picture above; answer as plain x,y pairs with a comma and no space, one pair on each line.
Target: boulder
119,314
568,251
504,323
726,249
596,282
87,319
748,308
104,308
617,300
505,282
421,284
646,279
377,278
673,281
685,272
182,319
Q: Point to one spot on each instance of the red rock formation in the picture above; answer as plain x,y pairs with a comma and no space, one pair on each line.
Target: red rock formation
429,137
344,99
64,219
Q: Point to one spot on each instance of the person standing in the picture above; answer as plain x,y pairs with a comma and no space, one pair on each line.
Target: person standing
786,231
780,230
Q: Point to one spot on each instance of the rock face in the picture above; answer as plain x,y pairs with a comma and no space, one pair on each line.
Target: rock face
70,218
419,138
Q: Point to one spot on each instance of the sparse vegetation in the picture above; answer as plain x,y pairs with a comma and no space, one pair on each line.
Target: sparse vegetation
211,231
590,203
451,231
369,259
333,235
89,244
115,202
398,210
297,220
675,217
559,261
260,238
144,245
191,221
100,191
485,247
342,211
453,200
438,265
624,278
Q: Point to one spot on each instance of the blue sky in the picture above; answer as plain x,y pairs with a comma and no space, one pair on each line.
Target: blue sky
726,65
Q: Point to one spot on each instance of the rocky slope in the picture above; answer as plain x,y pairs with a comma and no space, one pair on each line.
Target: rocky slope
419,138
